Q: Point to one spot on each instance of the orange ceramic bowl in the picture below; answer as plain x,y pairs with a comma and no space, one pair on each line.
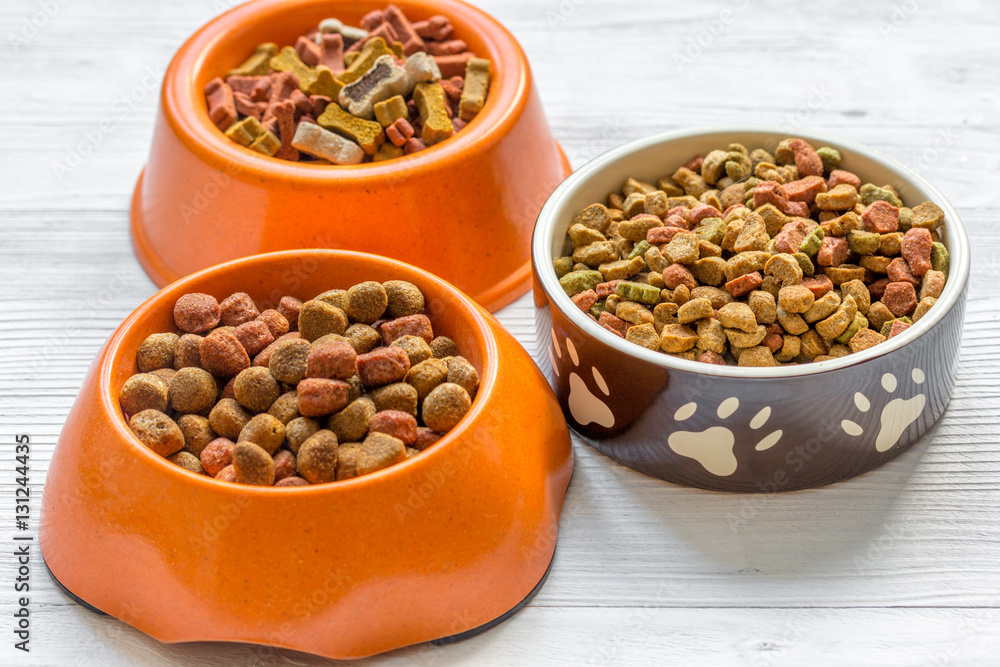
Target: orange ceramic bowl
440,545
463,209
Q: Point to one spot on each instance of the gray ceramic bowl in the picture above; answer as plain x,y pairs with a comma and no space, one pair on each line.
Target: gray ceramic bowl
744,429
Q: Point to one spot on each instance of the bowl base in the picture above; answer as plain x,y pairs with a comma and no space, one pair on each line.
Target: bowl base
443,641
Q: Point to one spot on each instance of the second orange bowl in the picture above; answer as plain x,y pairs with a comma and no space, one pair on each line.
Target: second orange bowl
462,209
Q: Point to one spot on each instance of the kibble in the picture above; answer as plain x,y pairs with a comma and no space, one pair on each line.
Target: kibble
344,95
360,366
804,261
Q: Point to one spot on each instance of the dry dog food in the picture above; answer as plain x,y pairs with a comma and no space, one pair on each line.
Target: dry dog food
347,383
346,95
745,257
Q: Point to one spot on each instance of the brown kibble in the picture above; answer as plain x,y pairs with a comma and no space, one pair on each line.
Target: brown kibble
795,298
416,348
442,347
291,481
143,391
256,389
157,431
738,315
864,339
318,318
932,284
643,335
187,353
254,336
676,338
334,297
425,438
284,465
396,396
237,308
410,325
197,433
299,430
758,356
321,396
188,461
403,299
165,374
275,321
352,423
222,355
362,338
379,451
156,352
288,360
366,302
252,465
289,308
264,430
196,313
900,298
463,373
217,455
285,408
425,376
398,424
336,361
445,406
317,458
228,418
383,365
192,390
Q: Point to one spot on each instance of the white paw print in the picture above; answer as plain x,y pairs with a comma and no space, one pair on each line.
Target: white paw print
713,447
584,405
897,415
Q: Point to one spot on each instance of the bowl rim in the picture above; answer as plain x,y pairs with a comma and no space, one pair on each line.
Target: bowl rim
958,249
436,452
183,103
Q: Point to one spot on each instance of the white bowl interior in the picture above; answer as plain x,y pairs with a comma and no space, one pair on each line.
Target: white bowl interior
650,158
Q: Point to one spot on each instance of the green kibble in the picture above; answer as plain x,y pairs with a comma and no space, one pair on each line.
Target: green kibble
575,282
751,183
862,242
859,323
639,249
804,263
905,219
638,292
887,327
871,193
813,240
830,157
597,309
562,265
939,258
712,230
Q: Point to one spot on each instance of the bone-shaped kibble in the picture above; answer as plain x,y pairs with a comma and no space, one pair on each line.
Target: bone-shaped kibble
288,60
384,80
390,110
448,48
477,82
384,32
437,28
412,43
326,83
247,107
420,67
257,63
316,141
387,152
453,65
372,51
332,51
308,50
373,19
221,105
284,112
349,33
437,126
366,133
250,133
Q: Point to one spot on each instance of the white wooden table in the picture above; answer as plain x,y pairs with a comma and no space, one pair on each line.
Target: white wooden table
898,567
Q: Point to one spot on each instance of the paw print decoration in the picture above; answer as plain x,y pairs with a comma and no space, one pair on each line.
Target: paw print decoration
714,446
585,406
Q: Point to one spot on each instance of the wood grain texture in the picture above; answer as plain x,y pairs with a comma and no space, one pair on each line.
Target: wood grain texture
898,567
